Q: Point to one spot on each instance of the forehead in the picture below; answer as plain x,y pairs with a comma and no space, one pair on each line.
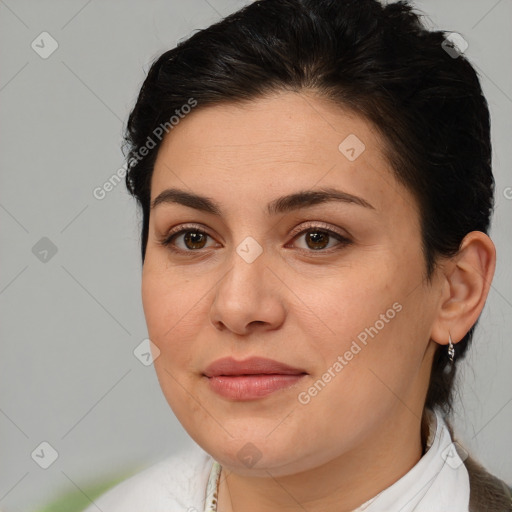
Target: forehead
291,125
283,142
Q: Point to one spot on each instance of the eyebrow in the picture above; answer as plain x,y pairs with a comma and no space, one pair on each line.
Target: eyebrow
291,202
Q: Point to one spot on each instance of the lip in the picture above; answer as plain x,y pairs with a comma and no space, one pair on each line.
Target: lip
251,378
250,366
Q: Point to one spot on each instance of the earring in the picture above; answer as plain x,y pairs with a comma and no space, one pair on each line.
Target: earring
451,350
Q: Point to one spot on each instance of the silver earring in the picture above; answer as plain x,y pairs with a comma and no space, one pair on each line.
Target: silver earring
451,350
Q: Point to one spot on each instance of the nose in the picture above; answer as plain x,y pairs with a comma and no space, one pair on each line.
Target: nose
249,297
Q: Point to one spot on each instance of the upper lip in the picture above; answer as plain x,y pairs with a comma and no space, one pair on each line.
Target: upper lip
250,366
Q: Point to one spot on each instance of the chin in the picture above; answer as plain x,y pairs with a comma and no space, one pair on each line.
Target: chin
256,453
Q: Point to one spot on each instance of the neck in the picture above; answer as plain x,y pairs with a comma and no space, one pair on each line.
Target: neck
341,484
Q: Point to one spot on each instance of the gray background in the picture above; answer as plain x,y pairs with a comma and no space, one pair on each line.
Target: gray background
70,324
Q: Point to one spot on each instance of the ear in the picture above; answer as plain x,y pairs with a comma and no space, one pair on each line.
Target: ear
466,280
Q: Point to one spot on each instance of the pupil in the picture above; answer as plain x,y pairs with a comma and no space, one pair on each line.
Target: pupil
318,238
193,240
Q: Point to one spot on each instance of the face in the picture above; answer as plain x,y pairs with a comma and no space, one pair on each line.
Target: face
331,286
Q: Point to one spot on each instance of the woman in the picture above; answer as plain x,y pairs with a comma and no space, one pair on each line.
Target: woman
316,188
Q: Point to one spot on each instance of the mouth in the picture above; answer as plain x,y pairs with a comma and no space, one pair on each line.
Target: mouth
251,378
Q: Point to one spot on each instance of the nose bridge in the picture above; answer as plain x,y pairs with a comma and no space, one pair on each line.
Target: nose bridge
247,266
249,250
245,295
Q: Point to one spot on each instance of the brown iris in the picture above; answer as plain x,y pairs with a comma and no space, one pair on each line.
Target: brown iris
318,239
195,239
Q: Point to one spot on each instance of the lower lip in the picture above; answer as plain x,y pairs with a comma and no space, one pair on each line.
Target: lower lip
251,387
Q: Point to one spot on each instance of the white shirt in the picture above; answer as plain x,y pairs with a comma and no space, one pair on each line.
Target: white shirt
187,482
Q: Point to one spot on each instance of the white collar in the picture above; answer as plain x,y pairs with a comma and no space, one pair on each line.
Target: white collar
438,482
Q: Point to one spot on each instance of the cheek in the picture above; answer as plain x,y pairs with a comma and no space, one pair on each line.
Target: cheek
166,297
347,306
171,308
368,320
170,305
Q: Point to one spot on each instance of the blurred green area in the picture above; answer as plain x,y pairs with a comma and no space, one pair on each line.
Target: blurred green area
79,499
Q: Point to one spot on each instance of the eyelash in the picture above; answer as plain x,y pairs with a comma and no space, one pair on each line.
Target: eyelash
167,241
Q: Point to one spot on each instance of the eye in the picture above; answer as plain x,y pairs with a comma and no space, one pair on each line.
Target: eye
318,238
192,239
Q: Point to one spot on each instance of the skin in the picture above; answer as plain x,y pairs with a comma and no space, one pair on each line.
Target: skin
299,305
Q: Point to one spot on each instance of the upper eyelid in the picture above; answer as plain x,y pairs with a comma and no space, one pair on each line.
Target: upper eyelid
320,226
